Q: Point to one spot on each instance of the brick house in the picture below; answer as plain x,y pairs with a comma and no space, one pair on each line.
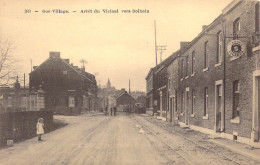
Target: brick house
150,92
66,87
214,80
124,99
216,86
157,88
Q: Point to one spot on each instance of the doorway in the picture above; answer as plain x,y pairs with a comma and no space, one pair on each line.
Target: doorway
219,107
187,106
172,98
256,107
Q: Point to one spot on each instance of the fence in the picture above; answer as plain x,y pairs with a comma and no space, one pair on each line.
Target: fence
22,125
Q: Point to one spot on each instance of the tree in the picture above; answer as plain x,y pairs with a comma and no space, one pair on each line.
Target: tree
7,62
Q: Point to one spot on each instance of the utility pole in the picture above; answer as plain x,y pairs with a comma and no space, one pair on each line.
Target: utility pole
155,41
129,88
24,80
83,61
161,50
31,65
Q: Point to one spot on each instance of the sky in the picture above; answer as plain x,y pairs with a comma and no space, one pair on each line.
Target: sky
119,46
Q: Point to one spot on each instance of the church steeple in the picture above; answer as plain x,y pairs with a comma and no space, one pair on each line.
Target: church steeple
108,83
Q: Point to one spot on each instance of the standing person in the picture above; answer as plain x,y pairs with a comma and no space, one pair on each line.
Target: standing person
115,111
127,110
111,111
40,130
106,111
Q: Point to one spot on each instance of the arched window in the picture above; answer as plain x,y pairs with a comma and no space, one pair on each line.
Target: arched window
206,55
257,17
193,62
187,66
220,47
236,28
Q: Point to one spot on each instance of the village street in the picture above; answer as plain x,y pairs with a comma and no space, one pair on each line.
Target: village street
118,140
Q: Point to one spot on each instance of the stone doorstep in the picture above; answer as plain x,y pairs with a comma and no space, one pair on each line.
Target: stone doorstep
161,118
239,148
183,125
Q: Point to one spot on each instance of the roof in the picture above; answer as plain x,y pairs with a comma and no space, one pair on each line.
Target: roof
125,93
85,74
204,32
150,71
167,61
119,93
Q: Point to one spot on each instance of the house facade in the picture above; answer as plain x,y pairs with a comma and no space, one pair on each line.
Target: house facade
214,81
66,87
16,99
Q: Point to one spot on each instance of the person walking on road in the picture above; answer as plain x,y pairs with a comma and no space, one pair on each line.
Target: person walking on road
40,130
115,111
111,111
106,111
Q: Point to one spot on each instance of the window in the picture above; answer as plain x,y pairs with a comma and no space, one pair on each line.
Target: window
193,62
257,17
206,55
206,101
176,106
187,65
192,101
169,83
220,47
235,99
65,72
71,101
23,101
9,102
236,28
182,67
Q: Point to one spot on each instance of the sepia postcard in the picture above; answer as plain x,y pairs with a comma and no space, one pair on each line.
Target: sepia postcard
129,82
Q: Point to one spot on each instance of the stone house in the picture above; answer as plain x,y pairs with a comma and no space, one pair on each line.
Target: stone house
66,87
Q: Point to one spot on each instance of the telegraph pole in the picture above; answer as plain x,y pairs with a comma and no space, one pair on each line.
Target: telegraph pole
155,41
31,65
129,88
83,61
161,50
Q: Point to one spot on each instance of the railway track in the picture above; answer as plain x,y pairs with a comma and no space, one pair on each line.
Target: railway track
215,155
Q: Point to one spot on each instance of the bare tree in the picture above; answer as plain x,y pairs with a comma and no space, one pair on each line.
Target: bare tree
7,62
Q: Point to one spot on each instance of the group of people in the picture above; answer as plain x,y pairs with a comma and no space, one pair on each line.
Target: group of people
112,111
127,110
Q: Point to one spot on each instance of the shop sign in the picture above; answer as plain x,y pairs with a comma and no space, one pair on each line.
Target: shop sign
236,48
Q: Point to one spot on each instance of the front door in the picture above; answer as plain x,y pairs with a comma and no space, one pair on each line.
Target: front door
219,107
187,107
171,108
258,113
256,107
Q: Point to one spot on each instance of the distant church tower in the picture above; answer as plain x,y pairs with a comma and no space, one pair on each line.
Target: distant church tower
108,83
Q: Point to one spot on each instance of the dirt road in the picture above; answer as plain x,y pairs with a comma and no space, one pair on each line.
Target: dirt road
97,139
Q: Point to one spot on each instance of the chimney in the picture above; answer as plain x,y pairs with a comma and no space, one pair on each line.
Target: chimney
54,54
184,44
71,64
122,89
67,60
204,27
35,67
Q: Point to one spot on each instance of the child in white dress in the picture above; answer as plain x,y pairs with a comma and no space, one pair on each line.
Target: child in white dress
40,129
